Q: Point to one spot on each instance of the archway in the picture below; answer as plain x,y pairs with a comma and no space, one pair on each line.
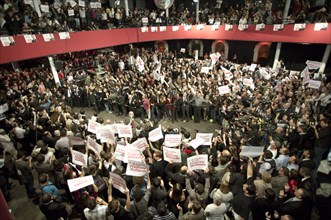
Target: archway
161,46
195,45
222,47
261,53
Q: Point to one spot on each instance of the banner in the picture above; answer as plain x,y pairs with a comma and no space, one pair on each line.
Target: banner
187,27
135,168
140,144
172,155
94,146
172,140
64,35
305,75
200,27
81,3
227,73
196,142
125,131
313,65
140,64
314,84
79,183
79,158
252,151
118,182
133,154
224,90
30,38
119,153
92,126
155,134
207,137
228,27
198,162
153,29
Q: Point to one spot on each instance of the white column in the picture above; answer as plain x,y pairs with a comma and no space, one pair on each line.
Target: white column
197,11
36,4
167,13
126,3
279,45
325,58
53,69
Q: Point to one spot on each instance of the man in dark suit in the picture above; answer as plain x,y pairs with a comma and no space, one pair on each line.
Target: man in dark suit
296,206
307,183
52,209
307,160
158,166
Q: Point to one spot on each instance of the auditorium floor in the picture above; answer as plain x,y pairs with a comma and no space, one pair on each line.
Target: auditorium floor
23,208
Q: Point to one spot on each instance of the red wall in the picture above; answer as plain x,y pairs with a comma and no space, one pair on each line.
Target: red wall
87,40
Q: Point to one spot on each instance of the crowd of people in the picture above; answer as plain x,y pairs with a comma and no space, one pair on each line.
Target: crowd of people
17,17
276,110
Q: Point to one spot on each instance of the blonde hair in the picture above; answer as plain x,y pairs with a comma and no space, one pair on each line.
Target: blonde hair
225,187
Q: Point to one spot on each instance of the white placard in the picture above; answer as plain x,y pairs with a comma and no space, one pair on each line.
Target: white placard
71,12
64,35
214,57
198,162
215,27
224,90
227,73
163,28
132,153
92,126
28,2
135,168
73,3
264,73
196,142
82,13
314,84
260,27
252,67
172,155
44,8
175,28
4,108
156,134
94,146
144,29
7,41
320,26
79,158
140,144
242,27
299,27
247,82
182,50
305,75
153,29
119,153
79,183
228,27
118,182
200,27
48,37
278,27
81,3
98,4
125,131
172,140
251,151
205,69
207,137
187,27
78,141
105,134
144,21
29,38
140,64
93,5
313,65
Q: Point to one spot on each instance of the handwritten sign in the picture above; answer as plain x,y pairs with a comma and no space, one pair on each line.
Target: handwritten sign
172,154
92,126
199,162
135,168
172,140
140,144
79,183
79,158
125,131
155,134
196,142
118,182
206,137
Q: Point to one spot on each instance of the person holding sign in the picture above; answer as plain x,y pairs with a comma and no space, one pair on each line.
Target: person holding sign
199,192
